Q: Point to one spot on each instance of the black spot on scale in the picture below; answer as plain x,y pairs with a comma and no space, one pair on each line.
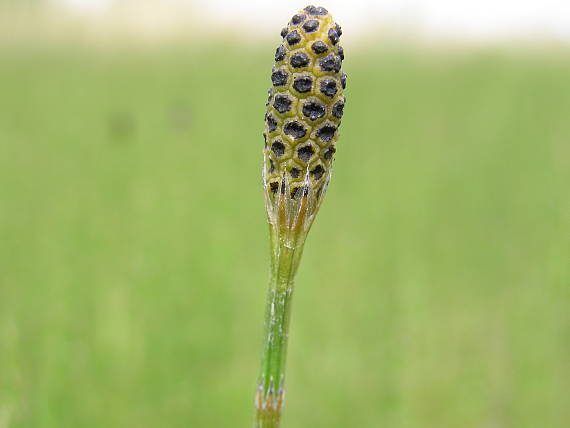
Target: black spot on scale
318,172
274,186
280,53
299,60
337,65
303,84
271,167
279,77
333,36
343,80
314,110
278,148
341,53
316,11
326,133
330,63
295,172
310,9
328,87
271,122
329,153
296,192
293,38
338,109
305,153
282,103
311,26
297,19
338,29
283,31
319,47
295,130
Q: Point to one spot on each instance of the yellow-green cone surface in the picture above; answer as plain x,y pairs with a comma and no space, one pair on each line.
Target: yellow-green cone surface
304,111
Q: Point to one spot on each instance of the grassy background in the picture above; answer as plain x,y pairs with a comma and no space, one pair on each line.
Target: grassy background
434,290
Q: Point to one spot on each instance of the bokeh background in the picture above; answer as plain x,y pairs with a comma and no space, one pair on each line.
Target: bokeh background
435,285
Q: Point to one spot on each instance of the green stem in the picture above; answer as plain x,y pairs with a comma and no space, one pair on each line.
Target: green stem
287,247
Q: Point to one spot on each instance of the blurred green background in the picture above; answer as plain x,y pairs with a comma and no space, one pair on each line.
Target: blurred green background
434,290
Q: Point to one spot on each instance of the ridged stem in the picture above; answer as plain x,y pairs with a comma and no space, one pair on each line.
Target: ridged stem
286,249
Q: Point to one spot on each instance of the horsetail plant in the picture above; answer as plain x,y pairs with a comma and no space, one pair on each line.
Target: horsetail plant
304,109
